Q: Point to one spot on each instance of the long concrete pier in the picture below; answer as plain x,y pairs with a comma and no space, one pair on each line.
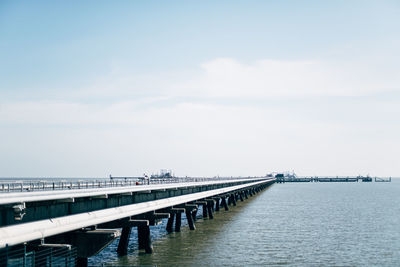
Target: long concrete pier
88,219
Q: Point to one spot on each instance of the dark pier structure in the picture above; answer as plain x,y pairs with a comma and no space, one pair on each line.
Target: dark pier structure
283,179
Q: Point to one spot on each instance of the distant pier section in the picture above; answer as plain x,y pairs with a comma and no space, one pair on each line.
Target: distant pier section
281,178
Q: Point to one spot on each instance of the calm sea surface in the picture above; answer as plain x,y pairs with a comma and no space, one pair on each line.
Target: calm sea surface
293,224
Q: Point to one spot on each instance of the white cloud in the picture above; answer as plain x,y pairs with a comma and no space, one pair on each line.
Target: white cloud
191,138
182,122
226,77
229,78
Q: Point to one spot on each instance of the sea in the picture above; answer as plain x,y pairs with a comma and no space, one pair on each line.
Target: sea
290,224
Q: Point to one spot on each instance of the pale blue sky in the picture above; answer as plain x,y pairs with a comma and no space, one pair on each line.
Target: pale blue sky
219,87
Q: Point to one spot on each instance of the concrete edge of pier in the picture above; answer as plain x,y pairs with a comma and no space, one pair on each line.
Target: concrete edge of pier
39,230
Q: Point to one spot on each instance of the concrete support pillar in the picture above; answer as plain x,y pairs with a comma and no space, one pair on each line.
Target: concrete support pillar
80,262
217,204
124,241
241,196
250,193
190,220
223,203
210,206
141,237
189,208
233,199
229,200
170,222
204,210
245,194
210,212
144,238
178,222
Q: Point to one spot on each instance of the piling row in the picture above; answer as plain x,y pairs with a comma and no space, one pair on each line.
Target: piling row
209,207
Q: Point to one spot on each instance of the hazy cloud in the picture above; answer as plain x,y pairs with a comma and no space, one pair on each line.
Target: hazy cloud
293,117
229,78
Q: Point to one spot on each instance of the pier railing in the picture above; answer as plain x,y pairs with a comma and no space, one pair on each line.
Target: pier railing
28,185
40,255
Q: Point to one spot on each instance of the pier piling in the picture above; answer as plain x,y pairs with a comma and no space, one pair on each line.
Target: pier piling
178,222
217,199
210,205
144,238
189,218
204,206
233,199
224,204
170,222
124,241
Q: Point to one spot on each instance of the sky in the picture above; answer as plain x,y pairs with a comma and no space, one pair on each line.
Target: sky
205,88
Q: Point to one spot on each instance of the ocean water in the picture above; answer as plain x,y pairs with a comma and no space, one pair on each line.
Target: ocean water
292,224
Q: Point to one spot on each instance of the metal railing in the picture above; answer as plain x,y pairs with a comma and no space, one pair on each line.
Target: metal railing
30,185
38,256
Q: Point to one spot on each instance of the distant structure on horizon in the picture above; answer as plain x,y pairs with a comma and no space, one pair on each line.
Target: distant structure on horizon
164,173
287,174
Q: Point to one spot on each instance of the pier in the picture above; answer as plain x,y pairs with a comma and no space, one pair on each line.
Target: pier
64,223
305,179
377,179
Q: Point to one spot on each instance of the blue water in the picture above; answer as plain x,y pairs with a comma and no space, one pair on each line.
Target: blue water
292,224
